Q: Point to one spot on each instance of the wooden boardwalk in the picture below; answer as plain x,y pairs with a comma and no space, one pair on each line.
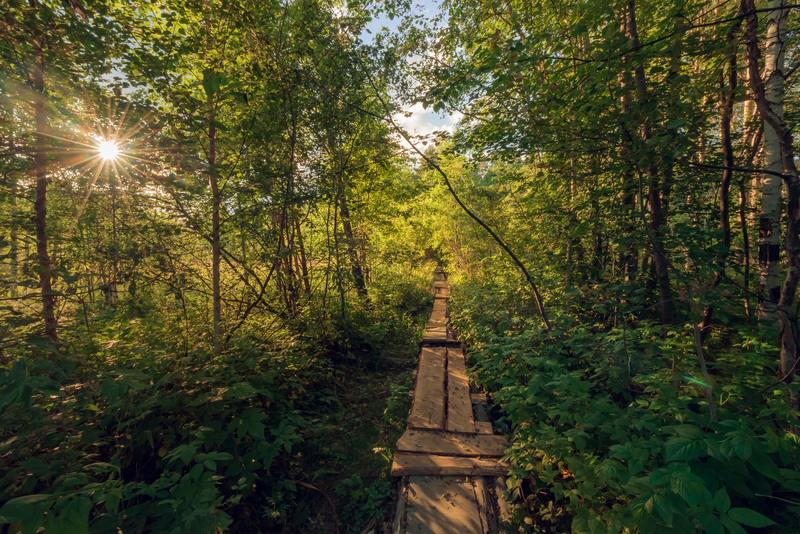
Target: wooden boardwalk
449,457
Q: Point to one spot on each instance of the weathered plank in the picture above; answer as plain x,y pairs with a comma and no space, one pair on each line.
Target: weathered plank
445,443
482,427
428,410
439,313
399,524
459,405
435,334
485,508
502,504
410,464
443,505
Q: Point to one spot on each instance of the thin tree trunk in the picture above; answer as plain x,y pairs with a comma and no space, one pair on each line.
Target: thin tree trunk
355,264
726,112
303,260
40,202
745,245
213,180
654,196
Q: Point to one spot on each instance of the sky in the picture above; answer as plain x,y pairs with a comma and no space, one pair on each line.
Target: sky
422,121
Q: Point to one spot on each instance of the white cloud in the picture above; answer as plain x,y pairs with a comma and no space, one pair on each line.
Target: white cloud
424,122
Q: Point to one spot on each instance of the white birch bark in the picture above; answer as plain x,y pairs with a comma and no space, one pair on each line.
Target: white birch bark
769,224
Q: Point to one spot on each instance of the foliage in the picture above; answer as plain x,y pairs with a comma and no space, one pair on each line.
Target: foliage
140,437
610,429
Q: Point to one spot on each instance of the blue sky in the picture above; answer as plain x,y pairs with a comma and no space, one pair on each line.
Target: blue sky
421,121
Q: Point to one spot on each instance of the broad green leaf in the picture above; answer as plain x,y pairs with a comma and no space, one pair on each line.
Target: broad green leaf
691,488
683,449
749,517
722,501
25,508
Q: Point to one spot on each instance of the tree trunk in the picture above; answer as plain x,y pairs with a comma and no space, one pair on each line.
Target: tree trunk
769,223
40,203
726,112
213,180
654,196
352,251
303,259
769,102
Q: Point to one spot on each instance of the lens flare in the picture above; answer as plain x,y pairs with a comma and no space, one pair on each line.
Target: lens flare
108,150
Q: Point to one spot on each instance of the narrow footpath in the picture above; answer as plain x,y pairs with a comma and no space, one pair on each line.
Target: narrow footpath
449,456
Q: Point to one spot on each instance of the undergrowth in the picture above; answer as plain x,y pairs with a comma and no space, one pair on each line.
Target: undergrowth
131,431
610,427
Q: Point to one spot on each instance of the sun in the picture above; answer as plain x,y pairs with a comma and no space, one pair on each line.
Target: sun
108,150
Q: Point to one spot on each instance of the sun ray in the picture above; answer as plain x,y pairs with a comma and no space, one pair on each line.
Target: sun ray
85,201
127,204
66,140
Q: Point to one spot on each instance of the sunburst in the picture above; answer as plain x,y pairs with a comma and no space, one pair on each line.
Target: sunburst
109,150
109,147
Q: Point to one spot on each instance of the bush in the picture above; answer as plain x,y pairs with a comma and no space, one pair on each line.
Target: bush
611,433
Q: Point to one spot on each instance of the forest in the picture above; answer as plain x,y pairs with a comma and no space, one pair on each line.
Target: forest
217,248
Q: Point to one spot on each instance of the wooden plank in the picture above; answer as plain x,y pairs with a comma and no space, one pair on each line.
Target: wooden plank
436,334
485,508
483,427
448,444
428,410
410,464
443,505
399,524
459,405
502,503
478,398
440,284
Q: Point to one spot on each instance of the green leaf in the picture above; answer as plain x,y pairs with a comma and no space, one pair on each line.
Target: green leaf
732,526
689,431
722,502
211,83
683,449
72,518
659,477
675,123
764,464
240,97
585,523
25,508
749,517
691,488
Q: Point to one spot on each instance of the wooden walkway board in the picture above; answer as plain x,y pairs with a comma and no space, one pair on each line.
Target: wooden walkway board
442,506
447,444
459,405
483,427
428,410
439,310
408,464
435,334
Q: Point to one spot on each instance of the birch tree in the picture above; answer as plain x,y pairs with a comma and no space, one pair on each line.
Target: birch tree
769,232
